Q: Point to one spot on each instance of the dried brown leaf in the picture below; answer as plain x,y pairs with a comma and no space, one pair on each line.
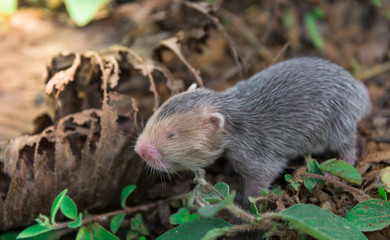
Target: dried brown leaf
60,79
174,45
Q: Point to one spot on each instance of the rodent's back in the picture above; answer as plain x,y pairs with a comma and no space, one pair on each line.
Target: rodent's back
304,103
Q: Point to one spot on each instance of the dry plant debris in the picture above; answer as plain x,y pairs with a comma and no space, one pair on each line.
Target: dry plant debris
98,100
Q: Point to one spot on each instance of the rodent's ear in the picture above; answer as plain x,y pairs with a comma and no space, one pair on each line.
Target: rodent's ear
192,87
217,121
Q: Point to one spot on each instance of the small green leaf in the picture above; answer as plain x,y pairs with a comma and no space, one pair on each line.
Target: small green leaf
194,216
125,193
33,231
222,189
382,193
95,232
288,177
83,11
197,229
371,215
313,167
342,169
295,185
68,208
136,224
83,234
76,223
56,205
320,224
182,216
116,222
8,6
385,177
311,26
43,221
211,210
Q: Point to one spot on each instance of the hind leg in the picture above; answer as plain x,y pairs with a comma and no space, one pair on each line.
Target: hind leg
349,155
346,149
260,177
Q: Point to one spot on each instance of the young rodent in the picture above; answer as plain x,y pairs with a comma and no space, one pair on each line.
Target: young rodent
303,105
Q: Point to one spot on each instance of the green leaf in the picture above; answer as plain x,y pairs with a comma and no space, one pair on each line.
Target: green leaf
8,236
295,185
253,210
194,216
43,221
8,6
377,3
68,208
56,205
125,193
182,216
197,229
76,223
211,210
32,231
83,234
385,177
371,215
95,232
222,189
216,232
320,224
288,177
136,224
116,222
313,167
342,169
382,193
83,11
311,26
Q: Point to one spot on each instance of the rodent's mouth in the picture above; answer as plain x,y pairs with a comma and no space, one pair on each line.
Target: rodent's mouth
159,165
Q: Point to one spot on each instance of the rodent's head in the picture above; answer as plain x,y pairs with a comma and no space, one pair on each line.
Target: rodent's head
182,135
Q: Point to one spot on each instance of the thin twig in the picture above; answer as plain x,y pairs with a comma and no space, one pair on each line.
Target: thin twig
217,23
104,216
335,182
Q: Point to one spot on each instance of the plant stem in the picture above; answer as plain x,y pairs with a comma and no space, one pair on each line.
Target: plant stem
104,216
239,212
335,182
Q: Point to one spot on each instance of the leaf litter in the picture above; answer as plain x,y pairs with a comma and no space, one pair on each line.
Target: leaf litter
98,101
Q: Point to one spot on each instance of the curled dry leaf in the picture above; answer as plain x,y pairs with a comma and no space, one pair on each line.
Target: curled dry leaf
174,45
88,151
62,78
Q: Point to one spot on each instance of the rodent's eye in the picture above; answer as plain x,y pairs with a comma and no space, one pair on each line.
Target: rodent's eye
171,135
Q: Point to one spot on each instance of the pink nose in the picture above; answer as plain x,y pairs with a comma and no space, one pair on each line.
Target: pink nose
148,152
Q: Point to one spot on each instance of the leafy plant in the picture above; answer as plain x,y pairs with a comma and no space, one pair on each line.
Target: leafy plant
370,215
289,178
311,26
87,229
80,11
83,11
8,6
319,223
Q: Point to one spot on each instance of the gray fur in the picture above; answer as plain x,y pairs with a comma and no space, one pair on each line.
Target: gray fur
299,106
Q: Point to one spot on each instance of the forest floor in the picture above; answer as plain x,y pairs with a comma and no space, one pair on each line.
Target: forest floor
237,40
